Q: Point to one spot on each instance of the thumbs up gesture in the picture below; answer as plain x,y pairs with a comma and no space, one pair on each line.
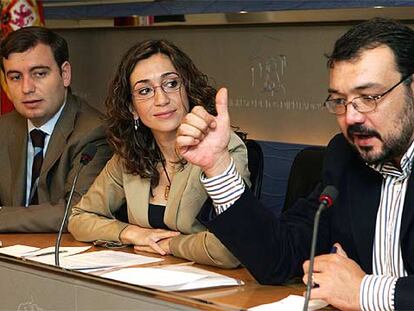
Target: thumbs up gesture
202,138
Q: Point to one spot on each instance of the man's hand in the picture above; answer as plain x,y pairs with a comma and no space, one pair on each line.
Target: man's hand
339,279
145,239
202,139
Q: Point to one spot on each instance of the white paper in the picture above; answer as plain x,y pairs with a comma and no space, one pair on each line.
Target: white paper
172,278
70,258
17,250
291,303
64,251
106,259
210,280
47,255
152,276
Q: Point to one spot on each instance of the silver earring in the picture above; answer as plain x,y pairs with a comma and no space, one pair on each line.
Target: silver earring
136,124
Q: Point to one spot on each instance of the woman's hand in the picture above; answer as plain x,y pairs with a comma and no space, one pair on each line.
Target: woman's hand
163,244
149,240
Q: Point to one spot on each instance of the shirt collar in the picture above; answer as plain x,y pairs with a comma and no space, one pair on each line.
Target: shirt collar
388,168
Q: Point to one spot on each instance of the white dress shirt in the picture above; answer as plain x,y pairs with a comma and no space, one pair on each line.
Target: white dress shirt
47,128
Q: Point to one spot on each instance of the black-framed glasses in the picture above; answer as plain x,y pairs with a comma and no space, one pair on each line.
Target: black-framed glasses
363,104
145,91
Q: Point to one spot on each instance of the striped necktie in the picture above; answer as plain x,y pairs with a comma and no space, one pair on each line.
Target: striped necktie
38,142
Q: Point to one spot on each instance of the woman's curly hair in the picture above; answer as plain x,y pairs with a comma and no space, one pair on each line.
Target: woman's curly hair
138,148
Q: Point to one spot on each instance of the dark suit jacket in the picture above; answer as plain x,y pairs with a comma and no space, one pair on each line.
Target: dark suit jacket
78,125
273,249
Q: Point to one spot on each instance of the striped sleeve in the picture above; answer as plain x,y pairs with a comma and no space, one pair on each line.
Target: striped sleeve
224,189
377,293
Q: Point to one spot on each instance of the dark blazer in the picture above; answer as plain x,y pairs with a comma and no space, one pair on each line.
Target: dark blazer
78,125
273,249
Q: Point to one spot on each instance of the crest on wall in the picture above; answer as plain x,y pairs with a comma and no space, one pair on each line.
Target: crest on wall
16,14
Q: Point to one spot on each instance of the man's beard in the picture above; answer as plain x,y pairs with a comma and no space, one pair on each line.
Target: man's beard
395,144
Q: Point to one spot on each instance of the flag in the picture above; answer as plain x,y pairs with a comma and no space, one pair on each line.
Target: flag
16,14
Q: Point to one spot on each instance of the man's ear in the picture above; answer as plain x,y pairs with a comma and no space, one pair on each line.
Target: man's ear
66,70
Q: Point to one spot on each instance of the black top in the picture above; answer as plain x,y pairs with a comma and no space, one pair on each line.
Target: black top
156,216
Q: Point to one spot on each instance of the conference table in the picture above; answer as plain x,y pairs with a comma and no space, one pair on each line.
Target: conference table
28,285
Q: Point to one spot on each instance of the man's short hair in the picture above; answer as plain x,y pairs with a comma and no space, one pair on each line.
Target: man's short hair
373,33
23,39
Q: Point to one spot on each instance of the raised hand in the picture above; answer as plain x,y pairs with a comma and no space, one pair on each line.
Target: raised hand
202,139
339,279
147,239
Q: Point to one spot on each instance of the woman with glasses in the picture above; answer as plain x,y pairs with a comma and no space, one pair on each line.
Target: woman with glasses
155,86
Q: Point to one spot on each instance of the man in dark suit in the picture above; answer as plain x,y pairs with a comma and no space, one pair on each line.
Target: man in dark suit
43,139
371,224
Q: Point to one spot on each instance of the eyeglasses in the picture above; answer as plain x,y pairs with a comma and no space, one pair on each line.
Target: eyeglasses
363,104
169,85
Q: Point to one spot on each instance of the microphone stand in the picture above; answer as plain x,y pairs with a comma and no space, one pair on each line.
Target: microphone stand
326,200
86,157
312,255
65,216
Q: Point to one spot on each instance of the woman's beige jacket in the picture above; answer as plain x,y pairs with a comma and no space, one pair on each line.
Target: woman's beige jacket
92,218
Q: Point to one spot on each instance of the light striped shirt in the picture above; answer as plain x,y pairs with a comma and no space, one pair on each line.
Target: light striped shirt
224,189
377,290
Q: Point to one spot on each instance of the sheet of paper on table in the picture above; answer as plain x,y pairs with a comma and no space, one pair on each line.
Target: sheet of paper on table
70,257
172,278
17,250
92,261
42,254
291,303
107,259
31,252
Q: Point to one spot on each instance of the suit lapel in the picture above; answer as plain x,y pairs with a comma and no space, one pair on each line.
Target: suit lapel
407,223
408,211
364,194
137,192
61,132
18,153
178,185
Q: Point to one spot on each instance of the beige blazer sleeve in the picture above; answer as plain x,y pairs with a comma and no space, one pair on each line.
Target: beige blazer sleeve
203,247
92,218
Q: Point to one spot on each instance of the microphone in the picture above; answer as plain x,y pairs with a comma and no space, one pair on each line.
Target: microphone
326,199
86,156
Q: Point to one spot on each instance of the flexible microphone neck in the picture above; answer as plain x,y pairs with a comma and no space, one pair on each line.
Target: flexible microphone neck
86,156
326,200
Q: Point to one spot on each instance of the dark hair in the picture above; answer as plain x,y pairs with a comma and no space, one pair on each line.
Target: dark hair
138,149
373,33
23,39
